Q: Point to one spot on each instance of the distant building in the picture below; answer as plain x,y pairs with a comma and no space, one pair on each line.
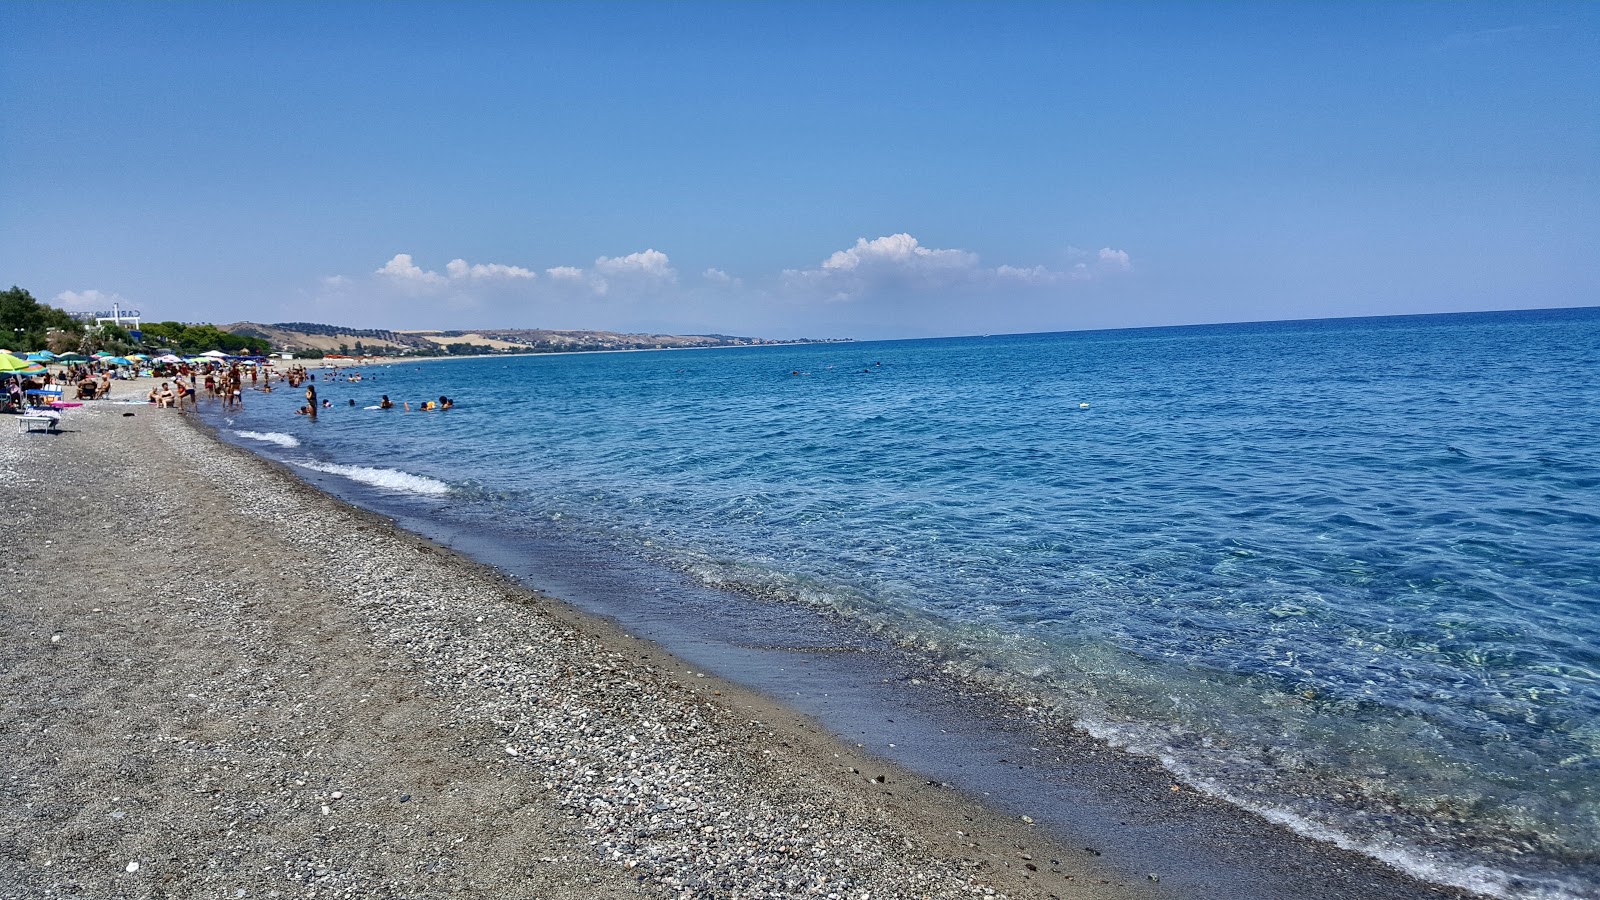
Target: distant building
116,315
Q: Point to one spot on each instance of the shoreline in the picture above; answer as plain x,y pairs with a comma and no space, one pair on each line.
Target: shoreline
1091,797
401,360
256,687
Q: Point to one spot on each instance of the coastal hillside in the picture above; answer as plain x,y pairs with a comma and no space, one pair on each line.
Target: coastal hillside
309,336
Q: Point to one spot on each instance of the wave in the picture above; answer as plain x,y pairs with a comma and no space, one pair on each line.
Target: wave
270,437
387,479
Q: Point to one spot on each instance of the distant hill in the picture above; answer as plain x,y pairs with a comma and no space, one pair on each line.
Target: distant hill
302,336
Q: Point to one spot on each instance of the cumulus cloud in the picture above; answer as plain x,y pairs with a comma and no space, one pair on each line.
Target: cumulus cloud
1115,260
889,272
402,270
900,261
645,270
900,251
652,264
459,268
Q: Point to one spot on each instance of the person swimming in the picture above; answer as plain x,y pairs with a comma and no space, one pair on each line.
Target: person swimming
386,403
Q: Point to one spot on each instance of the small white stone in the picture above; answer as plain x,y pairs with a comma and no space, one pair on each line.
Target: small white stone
133,865
337,795
55,638
511,751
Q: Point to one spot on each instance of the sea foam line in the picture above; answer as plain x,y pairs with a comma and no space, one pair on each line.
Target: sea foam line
270,437
388,479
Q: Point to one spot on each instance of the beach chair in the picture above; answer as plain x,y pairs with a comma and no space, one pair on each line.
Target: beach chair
39,397
48,420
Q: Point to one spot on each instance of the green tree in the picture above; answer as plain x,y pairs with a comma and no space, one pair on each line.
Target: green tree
190,339
26,324
110,337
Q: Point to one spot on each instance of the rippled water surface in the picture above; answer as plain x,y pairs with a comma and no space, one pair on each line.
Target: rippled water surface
1343,572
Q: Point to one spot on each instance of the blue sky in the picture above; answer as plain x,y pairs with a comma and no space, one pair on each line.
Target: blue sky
785,170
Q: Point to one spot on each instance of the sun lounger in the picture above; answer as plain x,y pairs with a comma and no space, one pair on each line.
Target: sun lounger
43,396
49,420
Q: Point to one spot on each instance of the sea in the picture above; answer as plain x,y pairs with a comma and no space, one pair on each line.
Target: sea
1343,573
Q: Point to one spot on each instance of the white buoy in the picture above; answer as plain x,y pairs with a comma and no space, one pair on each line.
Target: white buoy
1083,406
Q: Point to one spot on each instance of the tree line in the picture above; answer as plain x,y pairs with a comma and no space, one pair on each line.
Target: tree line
27,325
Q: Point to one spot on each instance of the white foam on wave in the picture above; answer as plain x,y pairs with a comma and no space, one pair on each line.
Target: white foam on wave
270,437
388,479
1437,866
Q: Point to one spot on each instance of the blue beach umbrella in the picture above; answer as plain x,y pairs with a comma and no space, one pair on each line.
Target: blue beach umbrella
115,361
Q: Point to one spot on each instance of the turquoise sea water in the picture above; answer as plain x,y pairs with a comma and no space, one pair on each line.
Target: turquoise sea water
1345,573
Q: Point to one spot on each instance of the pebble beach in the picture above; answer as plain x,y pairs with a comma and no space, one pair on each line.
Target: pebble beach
222,683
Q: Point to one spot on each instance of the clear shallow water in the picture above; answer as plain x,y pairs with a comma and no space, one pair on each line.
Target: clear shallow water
1346,573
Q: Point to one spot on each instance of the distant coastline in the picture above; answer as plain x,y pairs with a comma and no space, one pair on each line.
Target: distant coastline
312,340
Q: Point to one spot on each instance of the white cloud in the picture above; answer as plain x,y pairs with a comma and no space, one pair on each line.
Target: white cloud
651,264
883,276
898,250
458,268
901,262
1029,275
1115,260
89,301
402,269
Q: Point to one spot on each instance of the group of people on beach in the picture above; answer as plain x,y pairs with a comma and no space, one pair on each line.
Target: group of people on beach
175,395
183,383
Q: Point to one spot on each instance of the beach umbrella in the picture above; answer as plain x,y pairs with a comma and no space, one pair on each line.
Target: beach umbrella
42,356
139,356
115,361
214,354
71,358
169,358
11,365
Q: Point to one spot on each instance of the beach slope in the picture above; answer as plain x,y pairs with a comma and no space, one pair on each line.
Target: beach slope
220,682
